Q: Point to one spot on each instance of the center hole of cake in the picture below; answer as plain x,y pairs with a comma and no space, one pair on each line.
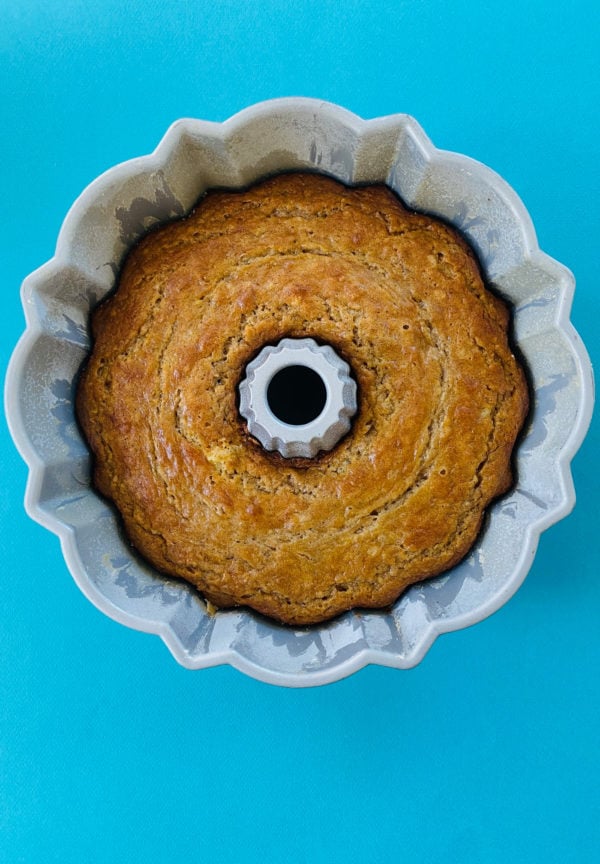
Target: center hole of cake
296,395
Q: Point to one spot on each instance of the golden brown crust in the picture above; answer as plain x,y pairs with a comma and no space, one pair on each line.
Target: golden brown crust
441,397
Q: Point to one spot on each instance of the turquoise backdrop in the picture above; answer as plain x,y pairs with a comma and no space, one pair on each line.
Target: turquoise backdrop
489,750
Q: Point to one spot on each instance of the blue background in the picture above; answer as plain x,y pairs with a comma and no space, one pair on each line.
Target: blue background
489,750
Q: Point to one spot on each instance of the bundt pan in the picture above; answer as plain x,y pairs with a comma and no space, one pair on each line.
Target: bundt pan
118,208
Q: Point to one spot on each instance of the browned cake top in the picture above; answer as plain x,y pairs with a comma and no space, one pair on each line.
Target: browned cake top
441,397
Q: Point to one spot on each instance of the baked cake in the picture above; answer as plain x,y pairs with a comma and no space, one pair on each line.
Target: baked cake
441,397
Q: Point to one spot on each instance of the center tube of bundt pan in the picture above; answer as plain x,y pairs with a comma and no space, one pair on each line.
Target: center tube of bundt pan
298,397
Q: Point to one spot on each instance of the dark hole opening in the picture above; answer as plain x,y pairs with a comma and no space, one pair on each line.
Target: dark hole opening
296,395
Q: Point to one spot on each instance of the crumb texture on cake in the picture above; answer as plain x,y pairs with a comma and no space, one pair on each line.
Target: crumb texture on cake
442,398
